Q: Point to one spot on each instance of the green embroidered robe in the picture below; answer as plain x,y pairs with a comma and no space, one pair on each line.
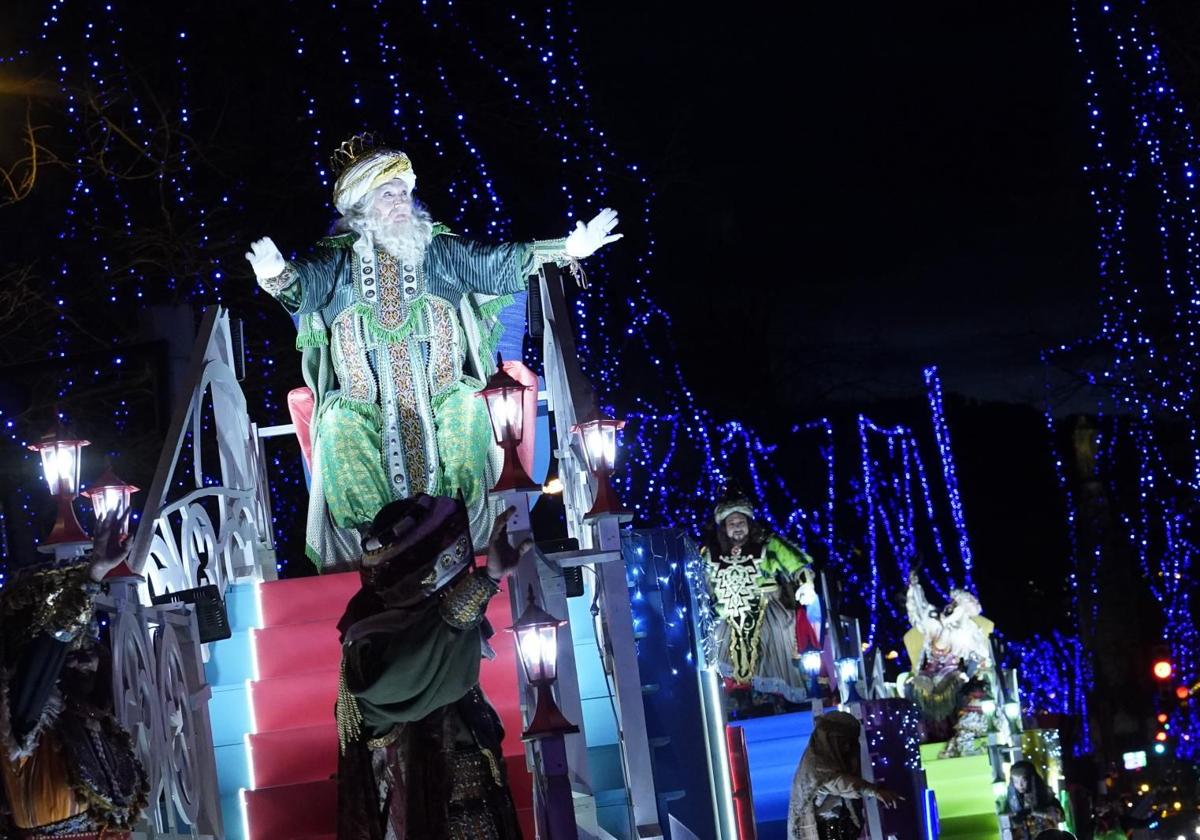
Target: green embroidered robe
394,354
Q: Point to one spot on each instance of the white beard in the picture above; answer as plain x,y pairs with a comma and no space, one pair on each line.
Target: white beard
406,241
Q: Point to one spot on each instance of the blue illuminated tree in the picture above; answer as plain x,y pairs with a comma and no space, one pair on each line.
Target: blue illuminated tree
1142,363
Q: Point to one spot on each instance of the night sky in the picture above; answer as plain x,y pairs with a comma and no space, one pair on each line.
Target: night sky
860,191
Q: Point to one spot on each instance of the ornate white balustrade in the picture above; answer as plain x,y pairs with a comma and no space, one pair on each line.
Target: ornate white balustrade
218,530
215,529
161,697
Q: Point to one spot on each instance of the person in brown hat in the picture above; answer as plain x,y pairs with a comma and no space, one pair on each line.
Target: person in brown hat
828,786
420,744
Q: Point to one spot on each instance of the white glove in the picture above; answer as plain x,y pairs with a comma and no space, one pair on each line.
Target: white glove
265,258
587,239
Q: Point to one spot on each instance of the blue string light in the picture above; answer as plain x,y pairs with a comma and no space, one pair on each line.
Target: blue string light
1142,181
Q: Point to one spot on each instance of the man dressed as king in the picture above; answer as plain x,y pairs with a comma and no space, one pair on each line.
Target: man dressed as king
397,325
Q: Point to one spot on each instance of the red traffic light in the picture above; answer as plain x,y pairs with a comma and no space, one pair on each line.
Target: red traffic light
1162,718
1182,692
1163,669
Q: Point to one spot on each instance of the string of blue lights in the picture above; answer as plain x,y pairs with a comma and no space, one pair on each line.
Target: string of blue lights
1143,358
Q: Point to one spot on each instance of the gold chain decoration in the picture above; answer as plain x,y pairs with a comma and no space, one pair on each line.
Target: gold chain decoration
463,606
349,715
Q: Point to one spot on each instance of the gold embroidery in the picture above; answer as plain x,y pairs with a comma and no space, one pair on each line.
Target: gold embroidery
445,366
391,302
411,430
739,601
387,740
464,604
274,285
350,362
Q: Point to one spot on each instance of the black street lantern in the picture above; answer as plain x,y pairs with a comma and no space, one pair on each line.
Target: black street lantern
537,643
505,400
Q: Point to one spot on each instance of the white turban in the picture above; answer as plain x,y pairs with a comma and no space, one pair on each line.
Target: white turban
370,172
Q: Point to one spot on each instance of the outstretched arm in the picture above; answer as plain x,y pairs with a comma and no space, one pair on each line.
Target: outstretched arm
918,606
302,286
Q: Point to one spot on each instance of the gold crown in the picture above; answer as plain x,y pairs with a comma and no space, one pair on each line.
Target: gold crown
358,146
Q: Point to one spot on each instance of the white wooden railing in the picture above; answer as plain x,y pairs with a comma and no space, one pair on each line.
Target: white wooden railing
161,698
210,532
212,529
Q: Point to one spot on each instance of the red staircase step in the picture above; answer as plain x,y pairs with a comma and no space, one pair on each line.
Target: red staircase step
293,756
292,811
306,599
292,702
286,649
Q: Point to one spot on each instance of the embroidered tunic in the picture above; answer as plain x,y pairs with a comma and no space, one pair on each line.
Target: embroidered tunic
394,354
756,631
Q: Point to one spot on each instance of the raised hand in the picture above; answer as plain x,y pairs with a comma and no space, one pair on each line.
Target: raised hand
887,798
502,558
587,239
108,550
264,257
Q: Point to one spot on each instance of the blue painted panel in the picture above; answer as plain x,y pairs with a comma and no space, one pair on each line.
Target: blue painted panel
231,813
233,771
794,725
605,766
241,602
229,710
580,615
592,682
771,830
772,788
614,818
231,661
779,752
512,319
588,667
774,746
598,721
541,443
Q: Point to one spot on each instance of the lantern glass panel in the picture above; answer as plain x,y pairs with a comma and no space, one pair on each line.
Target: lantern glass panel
506,408
848,669
811,660
600,440
68,468
108,499
539,652
50,467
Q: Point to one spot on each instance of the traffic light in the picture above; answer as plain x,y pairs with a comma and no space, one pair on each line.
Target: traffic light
1162,669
